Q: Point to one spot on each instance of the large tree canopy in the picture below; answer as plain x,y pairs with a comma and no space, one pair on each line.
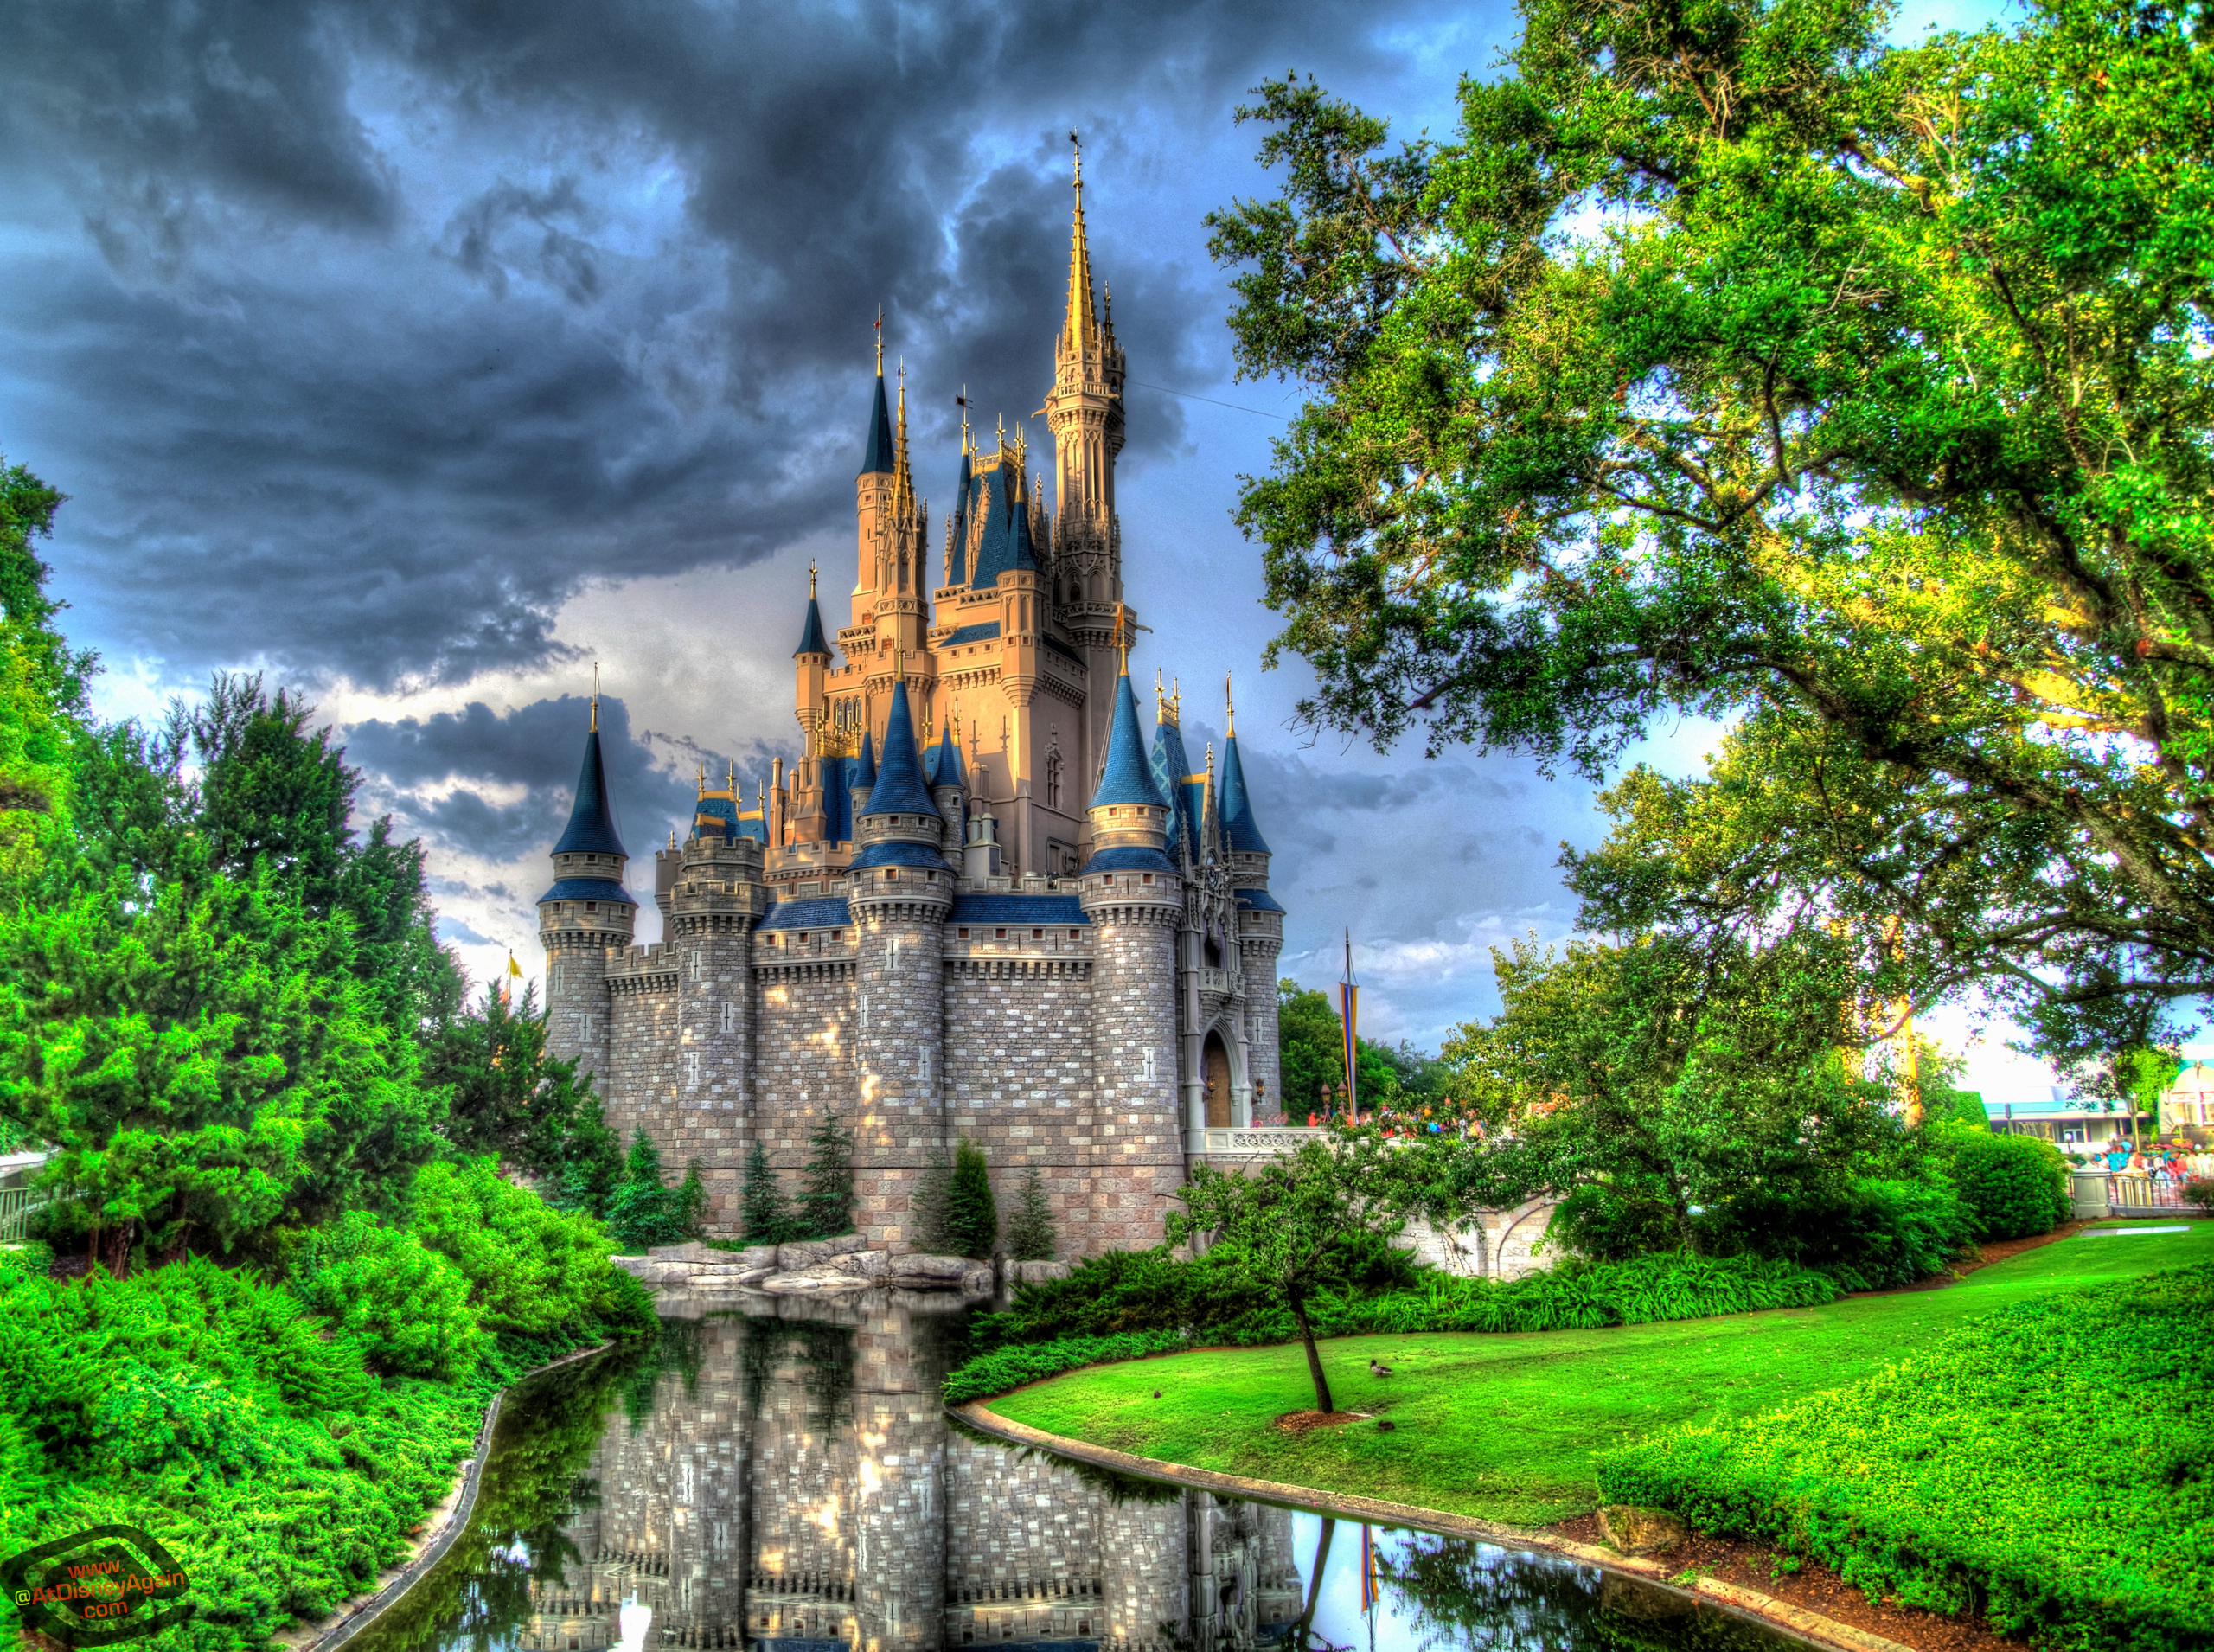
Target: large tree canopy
1730,362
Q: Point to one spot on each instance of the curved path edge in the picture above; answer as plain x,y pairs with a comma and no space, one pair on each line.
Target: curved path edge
1375,1511
418,1564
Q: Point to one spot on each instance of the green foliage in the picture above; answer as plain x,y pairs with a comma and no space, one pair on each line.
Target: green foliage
972,1220
1030,1235
1018,1363
505,1095
1963,1107
826,1207
2199,1192
407,1305
532,1270
1868,1236
933,1189
1116,1302
645,1212
1311,1055
2014,1187
1732,362
1992,1475
765,1218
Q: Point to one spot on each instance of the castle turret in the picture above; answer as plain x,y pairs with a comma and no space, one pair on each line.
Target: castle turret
949,785
1260,926
584,914
862,781
902,888
1132,894
873,490
810,663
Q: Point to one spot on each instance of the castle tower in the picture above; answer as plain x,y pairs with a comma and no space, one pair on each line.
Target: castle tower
949,785
872,498
1133,894
902,887
716,896
1084,412
815,812
1260,927
584,914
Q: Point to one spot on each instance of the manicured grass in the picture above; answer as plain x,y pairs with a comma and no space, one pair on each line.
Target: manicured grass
1506,1427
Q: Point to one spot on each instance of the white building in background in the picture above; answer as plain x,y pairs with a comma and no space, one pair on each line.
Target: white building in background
2060,1118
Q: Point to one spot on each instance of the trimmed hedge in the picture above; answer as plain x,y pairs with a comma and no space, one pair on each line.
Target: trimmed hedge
2014,1187
2049,1467
1130,1286
1010,1368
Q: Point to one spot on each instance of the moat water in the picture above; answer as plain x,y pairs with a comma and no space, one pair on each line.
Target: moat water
769,1483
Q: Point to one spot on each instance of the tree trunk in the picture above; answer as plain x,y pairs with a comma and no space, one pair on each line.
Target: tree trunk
1299,1641
1314,1356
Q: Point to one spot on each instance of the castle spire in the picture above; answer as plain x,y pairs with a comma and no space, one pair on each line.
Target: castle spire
880,456
592,819
810,631
1080,328
1240,835
900,789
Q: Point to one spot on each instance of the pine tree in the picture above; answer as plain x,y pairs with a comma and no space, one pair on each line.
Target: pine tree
972,1220
826,1208
688,1204
1030,1236
932,1189
642,1213
765,1218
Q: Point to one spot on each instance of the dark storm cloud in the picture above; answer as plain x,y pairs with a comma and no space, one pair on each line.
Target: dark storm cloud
363,336
429,764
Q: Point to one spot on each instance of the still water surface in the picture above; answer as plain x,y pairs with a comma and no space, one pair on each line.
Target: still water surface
781,1484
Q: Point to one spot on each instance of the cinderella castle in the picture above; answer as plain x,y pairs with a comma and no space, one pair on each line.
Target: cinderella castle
982,904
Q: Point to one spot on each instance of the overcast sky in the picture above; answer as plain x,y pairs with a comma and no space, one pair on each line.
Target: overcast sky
419,354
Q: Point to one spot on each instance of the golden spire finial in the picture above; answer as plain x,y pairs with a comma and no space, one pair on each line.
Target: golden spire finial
703,780
595,697
1076,152
730,782
811,578
1123,634
1229,706
962,402
672,837
879,341
1080,328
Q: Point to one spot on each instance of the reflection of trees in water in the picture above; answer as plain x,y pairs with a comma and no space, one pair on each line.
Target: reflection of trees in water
533,1483
823,1355
1459,1593
677,1349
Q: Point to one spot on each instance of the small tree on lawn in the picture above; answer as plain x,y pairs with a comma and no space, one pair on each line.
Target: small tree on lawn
762,1211
826,1208
1030,1236
1274,1226
972,1220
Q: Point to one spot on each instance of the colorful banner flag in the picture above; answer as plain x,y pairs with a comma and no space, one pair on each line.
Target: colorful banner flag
1368,1590
1349,1012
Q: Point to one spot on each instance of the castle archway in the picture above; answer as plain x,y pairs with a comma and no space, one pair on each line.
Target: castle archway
1214,1068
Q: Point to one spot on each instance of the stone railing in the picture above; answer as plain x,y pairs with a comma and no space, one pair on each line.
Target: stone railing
1256,1140
1222,981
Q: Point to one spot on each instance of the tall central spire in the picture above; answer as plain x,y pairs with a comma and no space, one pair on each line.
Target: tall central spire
1080,330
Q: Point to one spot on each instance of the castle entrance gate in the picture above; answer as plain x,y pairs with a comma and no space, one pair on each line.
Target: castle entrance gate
1215,1066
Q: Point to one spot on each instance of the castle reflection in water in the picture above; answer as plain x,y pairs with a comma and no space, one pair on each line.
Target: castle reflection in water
793,1485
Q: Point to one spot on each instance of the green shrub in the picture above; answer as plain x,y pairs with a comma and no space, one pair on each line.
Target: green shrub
826,1207
1148,1295
645,1212
972,1220
2014,1187
1030,1236
1994,1474
763,1218
408,1305
1867,1236
532,1270
1012,1366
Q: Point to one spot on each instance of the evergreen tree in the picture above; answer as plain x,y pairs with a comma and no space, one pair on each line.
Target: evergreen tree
688,1204
1030,1235
762,1211
826,1208
644,1212
932,1188
972,1221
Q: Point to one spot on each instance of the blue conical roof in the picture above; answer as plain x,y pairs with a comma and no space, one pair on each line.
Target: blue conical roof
810,632
1007,533
879,456
1126,779
865,765
1171,764
945,761
592,822
900,789
1240,833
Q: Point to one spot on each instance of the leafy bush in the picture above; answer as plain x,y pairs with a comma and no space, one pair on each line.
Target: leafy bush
1867,1236
972,1220
407,1304
643,1211
532,1270
1993,1474
1010,1368
2014,1187
2199,1191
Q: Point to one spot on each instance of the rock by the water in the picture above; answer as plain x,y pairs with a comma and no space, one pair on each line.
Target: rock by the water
1637,1530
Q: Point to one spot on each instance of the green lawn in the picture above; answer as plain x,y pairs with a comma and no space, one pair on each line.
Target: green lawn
1505,1426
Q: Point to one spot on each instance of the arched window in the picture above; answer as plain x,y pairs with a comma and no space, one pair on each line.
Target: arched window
1052,779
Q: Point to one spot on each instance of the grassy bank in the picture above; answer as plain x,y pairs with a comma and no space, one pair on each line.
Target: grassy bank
1508,1427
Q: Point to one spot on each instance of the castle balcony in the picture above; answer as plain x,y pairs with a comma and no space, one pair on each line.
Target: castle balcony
1242,1143
1227,983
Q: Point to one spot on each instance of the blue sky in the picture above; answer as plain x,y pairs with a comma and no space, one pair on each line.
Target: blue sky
419,355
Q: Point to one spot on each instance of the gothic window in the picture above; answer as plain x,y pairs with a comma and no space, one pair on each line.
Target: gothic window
1052,779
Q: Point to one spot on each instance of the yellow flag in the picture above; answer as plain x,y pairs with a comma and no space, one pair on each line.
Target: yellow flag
514,967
